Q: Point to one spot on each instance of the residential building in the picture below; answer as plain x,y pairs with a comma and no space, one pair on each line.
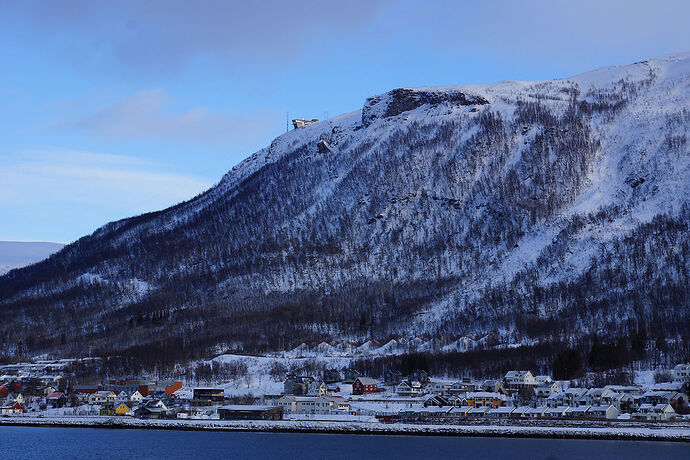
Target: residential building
364,385
608,412
516,380
247,412
485,399
655,412
681,373
392,377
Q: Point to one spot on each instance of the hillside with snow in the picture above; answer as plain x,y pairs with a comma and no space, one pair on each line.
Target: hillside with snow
466,216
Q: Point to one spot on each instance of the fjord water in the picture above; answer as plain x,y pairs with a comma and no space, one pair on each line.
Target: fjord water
65,443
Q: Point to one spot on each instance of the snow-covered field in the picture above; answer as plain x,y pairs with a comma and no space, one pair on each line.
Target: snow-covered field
651,432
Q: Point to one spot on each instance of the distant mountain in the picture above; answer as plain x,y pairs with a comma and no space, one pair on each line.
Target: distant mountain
515,213
16,254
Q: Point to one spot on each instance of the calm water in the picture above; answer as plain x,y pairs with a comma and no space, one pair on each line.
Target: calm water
64,443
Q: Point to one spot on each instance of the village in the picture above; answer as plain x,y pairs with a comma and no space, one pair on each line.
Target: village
344,395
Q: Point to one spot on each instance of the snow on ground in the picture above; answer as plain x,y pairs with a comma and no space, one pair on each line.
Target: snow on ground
655,432
257,381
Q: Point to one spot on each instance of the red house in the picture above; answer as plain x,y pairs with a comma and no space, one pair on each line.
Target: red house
364,385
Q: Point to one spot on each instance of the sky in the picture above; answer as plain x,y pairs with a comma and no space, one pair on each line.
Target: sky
112,109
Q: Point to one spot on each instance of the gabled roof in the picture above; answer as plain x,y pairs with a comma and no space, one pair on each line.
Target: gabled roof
366,381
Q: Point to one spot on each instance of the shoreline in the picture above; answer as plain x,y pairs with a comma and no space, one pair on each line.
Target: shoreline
666,434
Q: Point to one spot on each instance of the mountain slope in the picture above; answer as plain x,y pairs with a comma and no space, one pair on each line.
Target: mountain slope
532,212
16,254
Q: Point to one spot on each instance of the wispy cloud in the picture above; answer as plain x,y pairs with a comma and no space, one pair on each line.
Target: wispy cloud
149,115
78,178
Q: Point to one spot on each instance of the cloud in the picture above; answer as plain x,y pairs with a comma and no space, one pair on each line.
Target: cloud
148,115
164,35
84,179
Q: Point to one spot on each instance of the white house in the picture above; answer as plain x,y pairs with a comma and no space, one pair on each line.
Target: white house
406,388
578,411
593,396
102,397
655,412
608,412
546,389
556,412
136,397
535,412
519,379
681,373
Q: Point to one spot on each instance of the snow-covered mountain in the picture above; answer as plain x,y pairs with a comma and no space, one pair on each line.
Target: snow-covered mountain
509,213
16,254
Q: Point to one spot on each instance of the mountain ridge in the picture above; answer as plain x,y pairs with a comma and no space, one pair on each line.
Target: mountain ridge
477,209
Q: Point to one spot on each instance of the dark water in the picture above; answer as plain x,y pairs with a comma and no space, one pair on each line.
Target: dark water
65,443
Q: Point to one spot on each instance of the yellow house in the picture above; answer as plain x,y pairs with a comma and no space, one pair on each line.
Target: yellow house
122,409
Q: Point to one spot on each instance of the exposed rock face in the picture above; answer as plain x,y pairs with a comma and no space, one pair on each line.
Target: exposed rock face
402,100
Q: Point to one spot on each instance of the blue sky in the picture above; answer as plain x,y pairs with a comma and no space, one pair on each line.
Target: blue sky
110,109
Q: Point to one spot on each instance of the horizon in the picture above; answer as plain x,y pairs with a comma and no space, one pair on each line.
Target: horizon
148,105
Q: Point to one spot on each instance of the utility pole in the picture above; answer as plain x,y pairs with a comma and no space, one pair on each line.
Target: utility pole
287,121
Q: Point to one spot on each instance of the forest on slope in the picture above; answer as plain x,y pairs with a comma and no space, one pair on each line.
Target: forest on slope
549,215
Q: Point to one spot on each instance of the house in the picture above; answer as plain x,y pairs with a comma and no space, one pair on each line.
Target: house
313,386
122,397
546,389
392,377
516,380
122,409
493,386
593,396
623,402
436,400
350,375
578,411
438,387
153,409
247,412
501,412
462,386
136,397
485,399
604,412
406,388
681,373
543,379
56,399
12,409
519,411
573,395
654,412
535,412
331,376
4,391
628,389
364,385
418,375
106,411
208,395
302,122
556,412
102,397
478,411
657,397
458,412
